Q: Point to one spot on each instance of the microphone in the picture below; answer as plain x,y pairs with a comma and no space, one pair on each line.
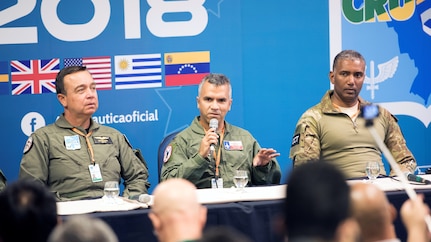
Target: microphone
143,198
213,124
414,178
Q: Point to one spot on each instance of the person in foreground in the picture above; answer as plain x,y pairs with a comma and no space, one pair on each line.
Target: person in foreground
83,228
317,205
413,212
190,155
375,215
28,212
176,213
75,156
332,131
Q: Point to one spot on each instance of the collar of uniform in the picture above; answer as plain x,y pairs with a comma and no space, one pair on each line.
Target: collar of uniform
62,123
327,106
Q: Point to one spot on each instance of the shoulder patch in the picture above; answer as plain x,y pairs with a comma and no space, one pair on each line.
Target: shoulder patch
167,154
295,139
28,145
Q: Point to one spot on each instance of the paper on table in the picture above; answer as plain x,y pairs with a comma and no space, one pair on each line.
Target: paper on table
96,205
224,195
392,184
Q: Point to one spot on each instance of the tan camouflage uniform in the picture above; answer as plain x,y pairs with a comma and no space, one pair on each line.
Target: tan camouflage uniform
325,133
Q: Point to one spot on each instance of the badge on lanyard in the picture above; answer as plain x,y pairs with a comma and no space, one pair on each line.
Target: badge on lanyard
72,142
96,175
232,145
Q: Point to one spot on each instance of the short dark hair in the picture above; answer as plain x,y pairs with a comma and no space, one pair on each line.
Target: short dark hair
59,80
317,201
28,212
347,54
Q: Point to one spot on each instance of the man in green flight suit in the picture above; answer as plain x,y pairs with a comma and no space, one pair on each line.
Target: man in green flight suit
75,156
209,156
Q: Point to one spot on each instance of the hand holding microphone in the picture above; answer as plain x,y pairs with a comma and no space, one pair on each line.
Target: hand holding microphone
213,125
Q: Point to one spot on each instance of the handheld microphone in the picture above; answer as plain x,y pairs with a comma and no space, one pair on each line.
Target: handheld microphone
213,124
414,178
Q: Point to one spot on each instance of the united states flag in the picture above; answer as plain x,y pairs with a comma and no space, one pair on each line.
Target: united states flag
99,67
34,76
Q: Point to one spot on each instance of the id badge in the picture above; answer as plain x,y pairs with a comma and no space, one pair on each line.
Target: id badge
96,175
217,184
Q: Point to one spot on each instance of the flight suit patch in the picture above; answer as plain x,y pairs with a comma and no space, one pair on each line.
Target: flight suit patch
167,154
28,144
102,140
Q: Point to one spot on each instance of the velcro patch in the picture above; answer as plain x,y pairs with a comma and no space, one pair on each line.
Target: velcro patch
101,140
295,140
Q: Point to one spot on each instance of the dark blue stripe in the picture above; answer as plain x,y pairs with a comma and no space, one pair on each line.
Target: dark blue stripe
200,67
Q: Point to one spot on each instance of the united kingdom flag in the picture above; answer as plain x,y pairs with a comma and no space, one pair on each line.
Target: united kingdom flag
34,76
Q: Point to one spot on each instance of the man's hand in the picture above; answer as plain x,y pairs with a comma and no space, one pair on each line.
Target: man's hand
211,137
264,156
413,214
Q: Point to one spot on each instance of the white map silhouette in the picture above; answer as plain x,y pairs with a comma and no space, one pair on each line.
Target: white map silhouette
386,70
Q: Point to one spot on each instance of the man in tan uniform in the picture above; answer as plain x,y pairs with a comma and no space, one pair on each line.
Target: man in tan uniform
331,131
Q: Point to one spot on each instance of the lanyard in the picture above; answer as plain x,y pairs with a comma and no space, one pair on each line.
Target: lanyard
87,140
218,156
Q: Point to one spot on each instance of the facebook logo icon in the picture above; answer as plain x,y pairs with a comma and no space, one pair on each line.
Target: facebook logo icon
31,122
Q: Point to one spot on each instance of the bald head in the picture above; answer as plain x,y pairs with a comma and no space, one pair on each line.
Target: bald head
373,212
176,213
175,195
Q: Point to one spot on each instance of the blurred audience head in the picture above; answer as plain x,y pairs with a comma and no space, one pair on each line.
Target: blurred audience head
83,228
374,213
176,213
317,204
28,212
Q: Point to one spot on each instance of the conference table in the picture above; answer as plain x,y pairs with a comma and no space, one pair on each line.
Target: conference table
256,212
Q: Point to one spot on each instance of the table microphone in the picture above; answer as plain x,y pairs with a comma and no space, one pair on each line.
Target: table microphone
414,178
143,198
213,124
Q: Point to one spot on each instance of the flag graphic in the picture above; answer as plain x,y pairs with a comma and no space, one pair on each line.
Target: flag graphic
4,78
138,71
99,67
186,68
34,76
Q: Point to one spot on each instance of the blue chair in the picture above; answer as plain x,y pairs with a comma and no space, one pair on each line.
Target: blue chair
162,146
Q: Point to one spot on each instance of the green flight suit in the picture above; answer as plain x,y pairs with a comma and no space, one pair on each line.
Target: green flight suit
49,158
238,149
